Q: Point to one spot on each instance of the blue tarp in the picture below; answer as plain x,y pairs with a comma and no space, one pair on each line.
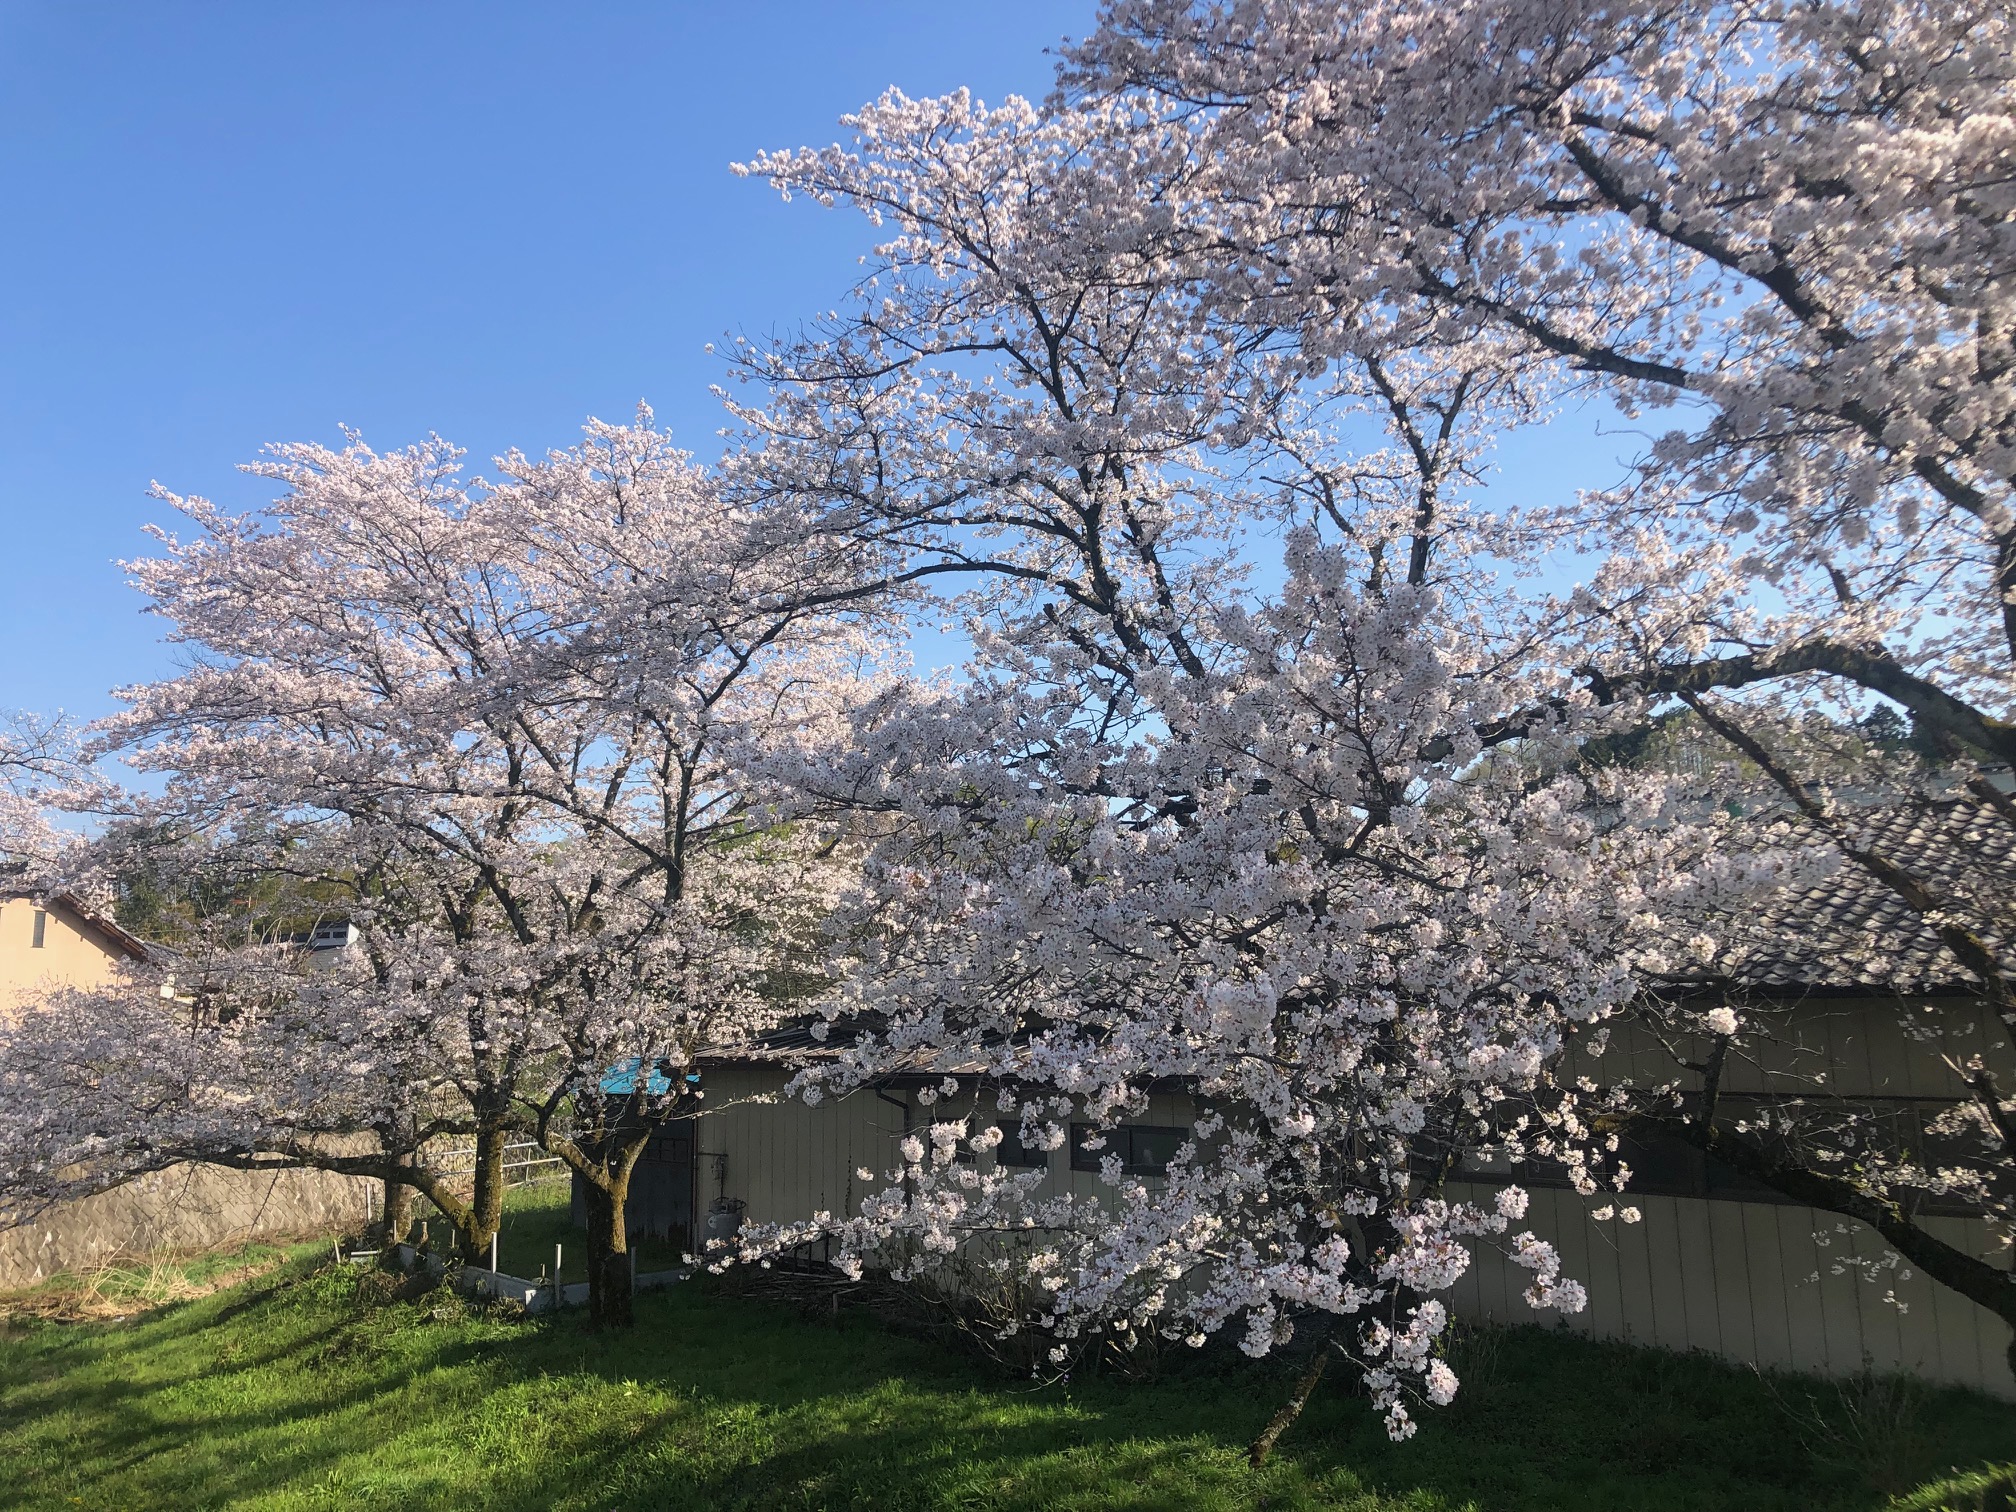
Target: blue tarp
621,1078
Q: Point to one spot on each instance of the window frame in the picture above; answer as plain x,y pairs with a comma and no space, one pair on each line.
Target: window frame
1121,1140
1029,1157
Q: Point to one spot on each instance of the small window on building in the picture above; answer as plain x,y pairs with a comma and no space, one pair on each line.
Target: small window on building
1484,1163
1012,1152
41,929
1144,1149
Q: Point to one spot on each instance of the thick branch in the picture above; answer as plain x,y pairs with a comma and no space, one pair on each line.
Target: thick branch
1971,1276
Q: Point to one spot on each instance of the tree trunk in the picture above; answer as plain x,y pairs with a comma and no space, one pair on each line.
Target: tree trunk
395,1215
1284,1417
486,1204
609,1300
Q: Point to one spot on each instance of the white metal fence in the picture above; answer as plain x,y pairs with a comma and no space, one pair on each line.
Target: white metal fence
524,1161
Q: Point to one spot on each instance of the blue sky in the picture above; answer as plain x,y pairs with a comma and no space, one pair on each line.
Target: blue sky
230,224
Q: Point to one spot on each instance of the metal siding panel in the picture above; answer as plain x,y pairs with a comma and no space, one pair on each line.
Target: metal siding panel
1848,1056
1633,1055
1840,1302
1568,1226
1465,1300
742,1142
799,1134
782,1168
1750,1071
1883,1327
1635,1275
1922,1343
761,1181
1665,1271
1764,1265
1960,1340
1730,1253
1973,1343
1497,1295
1805,1306
1907,1070
1605,1277
1499,1280
1696,1250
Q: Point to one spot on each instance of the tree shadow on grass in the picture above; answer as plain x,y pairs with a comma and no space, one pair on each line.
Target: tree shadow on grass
295,1395
855,1416
209,1402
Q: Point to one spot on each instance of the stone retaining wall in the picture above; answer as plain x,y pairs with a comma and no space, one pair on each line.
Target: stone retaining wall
183,1208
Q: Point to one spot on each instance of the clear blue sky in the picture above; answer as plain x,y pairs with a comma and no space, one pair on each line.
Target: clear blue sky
229,224
234,223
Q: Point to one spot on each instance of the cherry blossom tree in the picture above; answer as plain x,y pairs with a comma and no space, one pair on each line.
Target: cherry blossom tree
1360,961
656,988
712,641
504,732
1323,858
1787,227
228,1053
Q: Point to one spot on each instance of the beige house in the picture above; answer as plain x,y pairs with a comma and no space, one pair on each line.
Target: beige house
54,941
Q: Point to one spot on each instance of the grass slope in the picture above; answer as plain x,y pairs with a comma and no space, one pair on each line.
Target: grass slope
306,1388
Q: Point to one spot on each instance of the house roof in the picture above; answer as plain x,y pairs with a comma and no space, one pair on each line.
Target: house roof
1851,930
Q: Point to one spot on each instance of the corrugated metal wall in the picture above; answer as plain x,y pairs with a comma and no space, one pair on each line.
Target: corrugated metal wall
1749,1281
786,1160
1765,1283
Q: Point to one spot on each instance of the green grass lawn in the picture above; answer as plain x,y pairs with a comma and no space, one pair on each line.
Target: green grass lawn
306,1388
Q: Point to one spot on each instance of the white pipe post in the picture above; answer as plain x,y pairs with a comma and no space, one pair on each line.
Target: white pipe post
558,1295
493,1254
633,1273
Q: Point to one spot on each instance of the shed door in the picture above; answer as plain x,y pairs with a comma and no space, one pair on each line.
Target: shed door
661,1188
